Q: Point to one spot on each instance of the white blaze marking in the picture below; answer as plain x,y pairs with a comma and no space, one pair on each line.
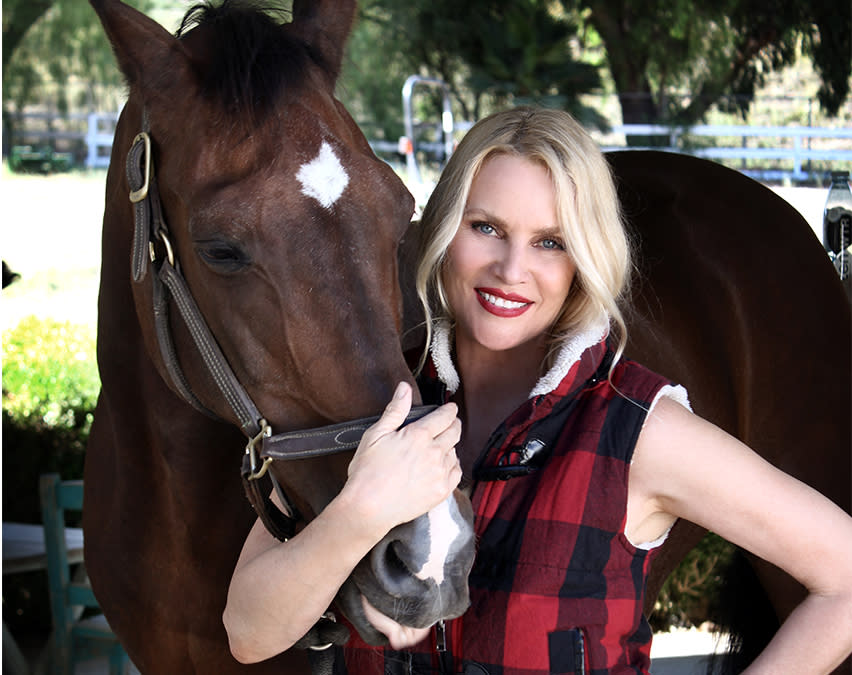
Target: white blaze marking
324,177
443,531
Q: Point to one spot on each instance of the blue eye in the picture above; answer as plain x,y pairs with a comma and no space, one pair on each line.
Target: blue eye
552,245
484,227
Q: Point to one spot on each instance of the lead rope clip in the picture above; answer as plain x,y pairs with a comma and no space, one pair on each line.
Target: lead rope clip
251,451
328,616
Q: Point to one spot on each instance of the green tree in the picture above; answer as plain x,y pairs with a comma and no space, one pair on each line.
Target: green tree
18,16
490,52
671,60
374,71
56,51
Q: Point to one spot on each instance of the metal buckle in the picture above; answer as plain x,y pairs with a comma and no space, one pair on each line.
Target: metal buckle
142,192
321,648
163,237
251,451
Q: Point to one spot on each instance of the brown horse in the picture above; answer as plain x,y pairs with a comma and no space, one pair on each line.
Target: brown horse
249,264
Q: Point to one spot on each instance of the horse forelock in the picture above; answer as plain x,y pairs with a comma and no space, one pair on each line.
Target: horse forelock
247,55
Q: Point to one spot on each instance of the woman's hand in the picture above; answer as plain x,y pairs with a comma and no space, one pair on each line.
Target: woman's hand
395,476
398,474
399,636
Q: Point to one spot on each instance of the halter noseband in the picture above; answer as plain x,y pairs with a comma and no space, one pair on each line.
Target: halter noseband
151,233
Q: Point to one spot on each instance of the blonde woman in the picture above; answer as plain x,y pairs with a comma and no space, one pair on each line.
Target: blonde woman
577,461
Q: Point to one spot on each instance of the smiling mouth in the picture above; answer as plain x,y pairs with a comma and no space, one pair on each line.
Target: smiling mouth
502,306
503,303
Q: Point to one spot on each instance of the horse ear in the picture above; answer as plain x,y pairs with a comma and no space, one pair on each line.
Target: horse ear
146,52
325,24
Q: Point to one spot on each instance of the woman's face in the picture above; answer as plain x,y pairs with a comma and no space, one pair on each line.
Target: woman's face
507,273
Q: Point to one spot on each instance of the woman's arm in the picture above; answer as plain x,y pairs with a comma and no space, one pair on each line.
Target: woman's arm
686,467
280,589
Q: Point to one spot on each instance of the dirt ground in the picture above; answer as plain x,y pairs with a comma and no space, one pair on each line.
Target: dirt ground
51,236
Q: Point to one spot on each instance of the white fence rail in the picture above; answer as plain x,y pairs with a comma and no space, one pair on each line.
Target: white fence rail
99,136
794,144
94,130
799,145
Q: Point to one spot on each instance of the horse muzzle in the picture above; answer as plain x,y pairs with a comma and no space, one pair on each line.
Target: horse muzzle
418,574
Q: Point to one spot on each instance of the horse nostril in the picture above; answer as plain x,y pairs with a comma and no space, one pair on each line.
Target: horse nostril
394,566
418,573
395,562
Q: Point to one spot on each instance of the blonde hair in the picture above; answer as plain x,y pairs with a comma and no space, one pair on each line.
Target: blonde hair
587,209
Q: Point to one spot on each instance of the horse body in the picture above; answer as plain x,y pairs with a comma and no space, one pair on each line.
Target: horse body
285,227
736,300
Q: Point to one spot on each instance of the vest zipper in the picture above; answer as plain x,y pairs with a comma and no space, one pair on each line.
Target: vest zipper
440,637
445,642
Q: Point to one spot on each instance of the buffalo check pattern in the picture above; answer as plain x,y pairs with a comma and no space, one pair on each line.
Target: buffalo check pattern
556,586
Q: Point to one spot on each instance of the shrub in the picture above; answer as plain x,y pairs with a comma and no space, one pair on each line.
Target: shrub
49,372
50,387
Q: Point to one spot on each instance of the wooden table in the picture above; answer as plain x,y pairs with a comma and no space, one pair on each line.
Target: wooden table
23,551
23,547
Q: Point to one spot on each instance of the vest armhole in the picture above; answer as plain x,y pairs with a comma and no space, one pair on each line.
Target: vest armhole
678,394
675,392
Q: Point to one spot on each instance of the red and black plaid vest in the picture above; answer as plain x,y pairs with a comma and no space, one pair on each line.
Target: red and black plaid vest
556,586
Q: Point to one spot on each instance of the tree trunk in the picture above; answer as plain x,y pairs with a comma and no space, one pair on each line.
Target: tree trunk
639,107
628,66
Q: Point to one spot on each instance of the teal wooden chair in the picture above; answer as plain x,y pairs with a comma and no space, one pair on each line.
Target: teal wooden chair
77,635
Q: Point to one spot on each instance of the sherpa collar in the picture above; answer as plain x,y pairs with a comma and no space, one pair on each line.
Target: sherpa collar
570,352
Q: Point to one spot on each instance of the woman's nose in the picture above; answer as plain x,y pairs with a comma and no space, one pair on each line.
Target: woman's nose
512,265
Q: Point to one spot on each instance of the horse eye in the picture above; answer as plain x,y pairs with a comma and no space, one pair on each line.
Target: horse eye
223,256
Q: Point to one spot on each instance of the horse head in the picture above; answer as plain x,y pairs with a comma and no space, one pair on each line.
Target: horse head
284,227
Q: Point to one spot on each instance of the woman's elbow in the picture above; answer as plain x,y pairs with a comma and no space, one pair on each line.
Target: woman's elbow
243,639
237,638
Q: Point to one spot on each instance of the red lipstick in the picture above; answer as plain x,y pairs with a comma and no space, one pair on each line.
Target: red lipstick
499,303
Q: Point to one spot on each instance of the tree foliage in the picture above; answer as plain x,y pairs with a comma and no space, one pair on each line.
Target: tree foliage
50,44
490,52
18,16
671,60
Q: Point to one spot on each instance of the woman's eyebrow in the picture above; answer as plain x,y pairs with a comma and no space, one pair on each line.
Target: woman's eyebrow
478,213
483,214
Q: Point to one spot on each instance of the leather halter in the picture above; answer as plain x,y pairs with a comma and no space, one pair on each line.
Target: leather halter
151,242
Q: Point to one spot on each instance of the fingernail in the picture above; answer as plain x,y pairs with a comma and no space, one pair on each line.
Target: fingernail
400,390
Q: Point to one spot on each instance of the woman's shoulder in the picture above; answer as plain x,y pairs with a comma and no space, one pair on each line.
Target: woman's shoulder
635,381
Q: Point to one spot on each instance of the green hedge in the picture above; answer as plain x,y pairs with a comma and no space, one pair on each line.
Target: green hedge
50,387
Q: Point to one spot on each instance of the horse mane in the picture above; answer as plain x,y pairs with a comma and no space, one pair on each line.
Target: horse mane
253,58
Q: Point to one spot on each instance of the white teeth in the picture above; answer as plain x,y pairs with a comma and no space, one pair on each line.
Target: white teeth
501,302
